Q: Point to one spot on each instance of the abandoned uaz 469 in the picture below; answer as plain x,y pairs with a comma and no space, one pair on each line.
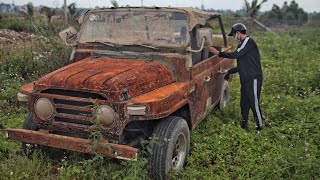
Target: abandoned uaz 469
135,73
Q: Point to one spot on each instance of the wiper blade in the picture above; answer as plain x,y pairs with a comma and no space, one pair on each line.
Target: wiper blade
143,45
147,46
104,43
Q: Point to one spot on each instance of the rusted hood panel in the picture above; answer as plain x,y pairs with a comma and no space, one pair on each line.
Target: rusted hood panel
108,77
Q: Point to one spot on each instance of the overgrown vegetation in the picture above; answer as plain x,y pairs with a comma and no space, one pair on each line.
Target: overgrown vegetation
288,147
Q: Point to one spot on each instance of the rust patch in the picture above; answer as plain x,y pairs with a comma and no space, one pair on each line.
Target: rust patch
163,101
74,144
109,77
27,88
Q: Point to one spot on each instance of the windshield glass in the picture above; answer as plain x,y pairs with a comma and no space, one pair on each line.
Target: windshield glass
128,28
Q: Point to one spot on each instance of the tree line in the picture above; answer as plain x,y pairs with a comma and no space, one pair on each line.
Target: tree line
50,12
289,14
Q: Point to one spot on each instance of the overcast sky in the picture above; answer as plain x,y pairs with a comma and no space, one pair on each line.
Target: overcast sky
307,5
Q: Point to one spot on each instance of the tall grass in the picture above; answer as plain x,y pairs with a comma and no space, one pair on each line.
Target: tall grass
25,61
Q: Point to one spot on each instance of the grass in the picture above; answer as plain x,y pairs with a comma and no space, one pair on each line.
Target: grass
287,148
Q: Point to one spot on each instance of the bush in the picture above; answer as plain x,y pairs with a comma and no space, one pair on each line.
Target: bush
16,25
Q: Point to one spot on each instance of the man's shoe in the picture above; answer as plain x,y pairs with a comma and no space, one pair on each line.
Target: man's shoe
244,125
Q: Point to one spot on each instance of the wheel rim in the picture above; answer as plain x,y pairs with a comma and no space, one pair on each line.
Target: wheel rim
179,152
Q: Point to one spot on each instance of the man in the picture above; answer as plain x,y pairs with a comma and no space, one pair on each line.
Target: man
249,69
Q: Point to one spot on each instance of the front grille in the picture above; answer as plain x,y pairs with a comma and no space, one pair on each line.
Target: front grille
73,107
73,103
74,112
74,93
74,121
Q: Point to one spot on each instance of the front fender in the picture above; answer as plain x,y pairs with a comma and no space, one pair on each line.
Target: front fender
162,102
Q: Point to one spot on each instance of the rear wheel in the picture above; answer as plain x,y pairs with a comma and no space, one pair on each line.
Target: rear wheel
171,147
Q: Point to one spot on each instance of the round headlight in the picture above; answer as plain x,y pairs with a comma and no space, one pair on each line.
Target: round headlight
43,108
105,115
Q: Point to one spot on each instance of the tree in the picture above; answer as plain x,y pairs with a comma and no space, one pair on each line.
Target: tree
72,10
30,10
289,14
49,12
114,3
277,12
253,9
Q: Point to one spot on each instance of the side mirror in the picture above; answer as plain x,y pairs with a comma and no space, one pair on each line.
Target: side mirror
69,36
204,34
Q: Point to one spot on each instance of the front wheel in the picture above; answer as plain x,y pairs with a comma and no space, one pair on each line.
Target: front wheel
171,147
28,148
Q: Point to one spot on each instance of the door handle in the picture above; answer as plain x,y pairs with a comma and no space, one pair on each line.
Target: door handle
207,79
223,71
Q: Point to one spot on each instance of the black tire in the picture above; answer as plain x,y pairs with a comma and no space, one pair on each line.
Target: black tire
224,95
28,148
171,147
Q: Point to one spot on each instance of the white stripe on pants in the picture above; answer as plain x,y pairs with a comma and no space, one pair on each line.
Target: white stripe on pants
256,102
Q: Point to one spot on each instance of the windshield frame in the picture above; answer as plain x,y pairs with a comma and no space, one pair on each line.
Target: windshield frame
184,45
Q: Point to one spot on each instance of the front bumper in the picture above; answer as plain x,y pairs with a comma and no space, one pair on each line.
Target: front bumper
73,144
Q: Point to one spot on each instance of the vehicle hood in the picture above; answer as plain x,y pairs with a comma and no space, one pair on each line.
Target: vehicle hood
108,77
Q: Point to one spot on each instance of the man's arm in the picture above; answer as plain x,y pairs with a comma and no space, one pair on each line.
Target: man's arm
243,49
233,70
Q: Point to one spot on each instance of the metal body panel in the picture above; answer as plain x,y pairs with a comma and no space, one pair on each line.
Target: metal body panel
108,77
73,144
27,88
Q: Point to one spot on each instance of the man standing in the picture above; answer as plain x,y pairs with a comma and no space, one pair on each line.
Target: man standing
249,69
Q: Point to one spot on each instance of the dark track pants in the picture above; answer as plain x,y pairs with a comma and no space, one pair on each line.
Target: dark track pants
250,96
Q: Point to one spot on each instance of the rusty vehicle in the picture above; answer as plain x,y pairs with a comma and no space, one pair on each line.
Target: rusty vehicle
135,73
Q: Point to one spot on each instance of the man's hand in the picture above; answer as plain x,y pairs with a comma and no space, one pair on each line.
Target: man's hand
214,50
227,76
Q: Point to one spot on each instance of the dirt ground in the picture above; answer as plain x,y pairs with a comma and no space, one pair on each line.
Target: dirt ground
9,36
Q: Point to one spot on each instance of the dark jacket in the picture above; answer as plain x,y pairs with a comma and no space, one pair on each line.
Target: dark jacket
248,60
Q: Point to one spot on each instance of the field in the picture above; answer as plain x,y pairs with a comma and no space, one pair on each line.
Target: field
287,148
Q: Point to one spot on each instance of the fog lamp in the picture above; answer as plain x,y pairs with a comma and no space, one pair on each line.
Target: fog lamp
22,97
43,108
